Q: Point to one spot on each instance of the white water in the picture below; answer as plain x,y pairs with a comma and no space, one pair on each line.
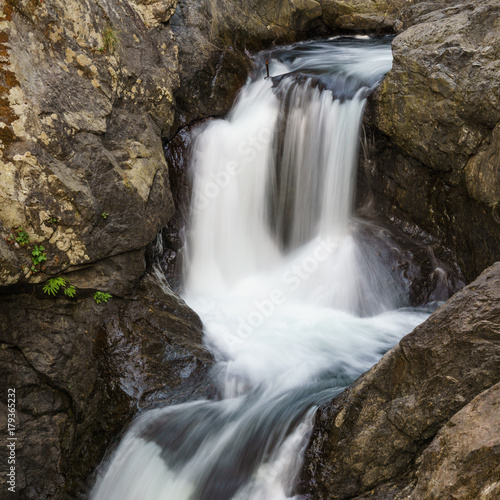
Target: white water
294,309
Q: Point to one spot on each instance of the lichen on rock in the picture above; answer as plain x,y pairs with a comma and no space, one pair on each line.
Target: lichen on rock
62,153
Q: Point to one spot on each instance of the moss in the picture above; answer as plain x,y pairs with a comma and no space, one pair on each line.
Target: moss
110,39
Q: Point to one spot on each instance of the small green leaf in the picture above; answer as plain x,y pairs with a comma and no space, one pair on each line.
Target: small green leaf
38,255
101,297
54,284
49,289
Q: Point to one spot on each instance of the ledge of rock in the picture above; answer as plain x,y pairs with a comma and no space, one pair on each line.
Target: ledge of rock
378,438
82,371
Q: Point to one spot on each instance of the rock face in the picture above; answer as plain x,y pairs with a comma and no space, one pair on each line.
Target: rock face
83,120
437,122
81,371
379,439
463,460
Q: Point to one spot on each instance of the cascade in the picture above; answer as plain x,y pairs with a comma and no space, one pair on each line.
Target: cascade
294,308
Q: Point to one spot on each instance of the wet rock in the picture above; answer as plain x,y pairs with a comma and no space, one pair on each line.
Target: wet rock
178,152
418,267
81,371
367,441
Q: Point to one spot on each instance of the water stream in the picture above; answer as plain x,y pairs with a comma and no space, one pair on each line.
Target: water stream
294,307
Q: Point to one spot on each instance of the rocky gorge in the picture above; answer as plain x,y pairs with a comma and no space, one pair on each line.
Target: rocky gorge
90,93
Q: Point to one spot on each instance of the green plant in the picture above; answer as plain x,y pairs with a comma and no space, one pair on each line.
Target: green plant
110,39
23,237
101,297
38,255
52,220
105,215
19,235
53,286
70,291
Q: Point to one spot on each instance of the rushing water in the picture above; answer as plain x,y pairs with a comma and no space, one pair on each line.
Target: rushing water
294,307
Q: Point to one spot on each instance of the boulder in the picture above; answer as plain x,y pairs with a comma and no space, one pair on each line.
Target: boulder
82,370
436,128
367,442
86,93
463,460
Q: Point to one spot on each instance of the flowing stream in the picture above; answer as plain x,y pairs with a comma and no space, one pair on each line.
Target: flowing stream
294,307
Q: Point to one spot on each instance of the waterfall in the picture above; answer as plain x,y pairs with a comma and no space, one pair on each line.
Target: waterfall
294,308
276,178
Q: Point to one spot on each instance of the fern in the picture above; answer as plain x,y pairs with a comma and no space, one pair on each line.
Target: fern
22,237
53,284
101,297
19,236
70,291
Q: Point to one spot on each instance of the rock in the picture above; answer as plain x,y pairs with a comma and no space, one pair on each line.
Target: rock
369,438
369,15
118,275
482,172
81,371
436,117
419,274
178,154
449,67
85,98
212,38
463,460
